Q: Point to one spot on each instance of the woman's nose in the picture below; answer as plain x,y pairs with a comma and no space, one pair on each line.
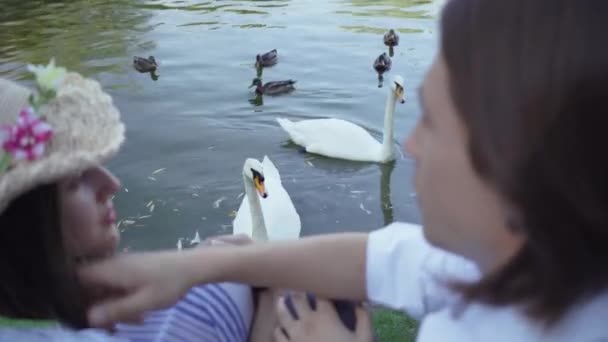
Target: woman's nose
108,184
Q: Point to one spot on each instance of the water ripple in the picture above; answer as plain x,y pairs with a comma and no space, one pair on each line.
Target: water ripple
196,119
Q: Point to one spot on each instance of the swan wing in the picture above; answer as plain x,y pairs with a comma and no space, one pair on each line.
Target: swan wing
242,222
334,138
280,215
270,171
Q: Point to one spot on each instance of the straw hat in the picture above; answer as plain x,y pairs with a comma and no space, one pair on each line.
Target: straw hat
86,130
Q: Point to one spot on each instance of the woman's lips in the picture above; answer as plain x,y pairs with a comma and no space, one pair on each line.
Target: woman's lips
110,217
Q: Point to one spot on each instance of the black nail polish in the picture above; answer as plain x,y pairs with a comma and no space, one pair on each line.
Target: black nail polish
291,307
346,311
285,333
312,301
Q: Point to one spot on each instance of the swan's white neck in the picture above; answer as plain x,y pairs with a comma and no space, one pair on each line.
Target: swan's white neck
258,229
389,114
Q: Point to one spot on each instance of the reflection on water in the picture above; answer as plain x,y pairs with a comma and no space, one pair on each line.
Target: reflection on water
378,30
382,9
189,130
86,35
386,205
257,100
200,23
387,8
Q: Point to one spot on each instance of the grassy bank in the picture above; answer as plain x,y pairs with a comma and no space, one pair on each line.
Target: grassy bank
393,326
17,323
390,326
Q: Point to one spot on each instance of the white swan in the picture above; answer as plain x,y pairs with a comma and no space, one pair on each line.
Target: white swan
266,212
342,139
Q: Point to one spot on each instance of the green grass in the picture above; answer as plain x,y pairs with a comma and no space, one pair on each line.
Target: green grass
390,326
393,326
18,323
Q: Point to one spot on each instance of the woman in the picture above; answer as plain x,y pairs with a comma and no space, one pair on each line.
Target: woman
511,182
56,213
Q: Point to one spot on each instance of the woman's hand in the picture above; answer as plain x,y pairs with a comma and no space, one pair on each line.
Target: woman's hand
138,282
141,282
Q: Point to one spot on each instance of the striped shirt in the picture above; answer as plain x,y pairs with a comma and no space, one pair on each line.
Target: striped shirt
213,312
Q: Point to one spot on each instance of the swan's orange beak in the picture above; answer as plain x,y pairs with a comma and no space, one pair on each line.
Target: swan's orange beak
400,94
259,186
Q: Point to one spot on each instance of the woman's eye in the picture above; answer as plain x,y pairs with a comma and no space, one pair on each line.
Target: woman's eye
74,182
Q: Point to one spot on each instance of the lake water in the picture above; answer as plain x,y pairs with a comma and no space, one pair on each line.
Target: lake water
196,122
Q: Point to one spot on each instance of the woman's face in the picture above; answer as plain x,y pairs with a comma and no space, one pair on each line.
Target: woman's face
461,212
87,213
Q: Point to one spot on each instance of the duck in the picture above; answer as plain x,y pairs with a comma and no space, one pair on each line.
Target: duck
266,211
143,64
391,39
341,139
382,64
267,59
274,87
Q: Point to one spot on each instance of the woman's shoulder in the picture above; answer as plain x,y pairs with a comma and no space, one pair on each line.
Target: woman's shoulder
406,242
480,322
585,322
56,334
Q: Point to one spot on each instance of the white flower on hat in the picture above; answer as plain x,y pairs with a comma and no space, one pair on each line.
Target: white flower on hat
48,77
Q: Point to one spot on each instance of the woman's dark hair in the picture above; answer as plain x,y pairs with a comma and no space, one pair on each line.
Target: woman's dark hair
38,278
530,81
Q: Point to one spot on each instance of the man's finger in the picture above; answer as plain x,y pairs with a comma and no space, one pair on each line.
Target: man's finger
284,316
364,322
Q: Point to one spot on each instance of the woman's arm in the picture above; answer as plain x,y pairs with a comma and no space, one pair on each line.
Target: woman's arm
331,266
394,266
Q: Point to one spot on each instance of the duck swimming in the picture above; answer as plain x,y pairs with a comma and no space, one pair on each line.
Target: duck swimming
273,88
391,39
382,64
143,64
267,59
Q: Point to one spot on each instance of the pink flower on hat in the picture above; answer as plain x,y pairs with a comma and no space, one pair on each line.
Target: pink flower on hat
27,139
